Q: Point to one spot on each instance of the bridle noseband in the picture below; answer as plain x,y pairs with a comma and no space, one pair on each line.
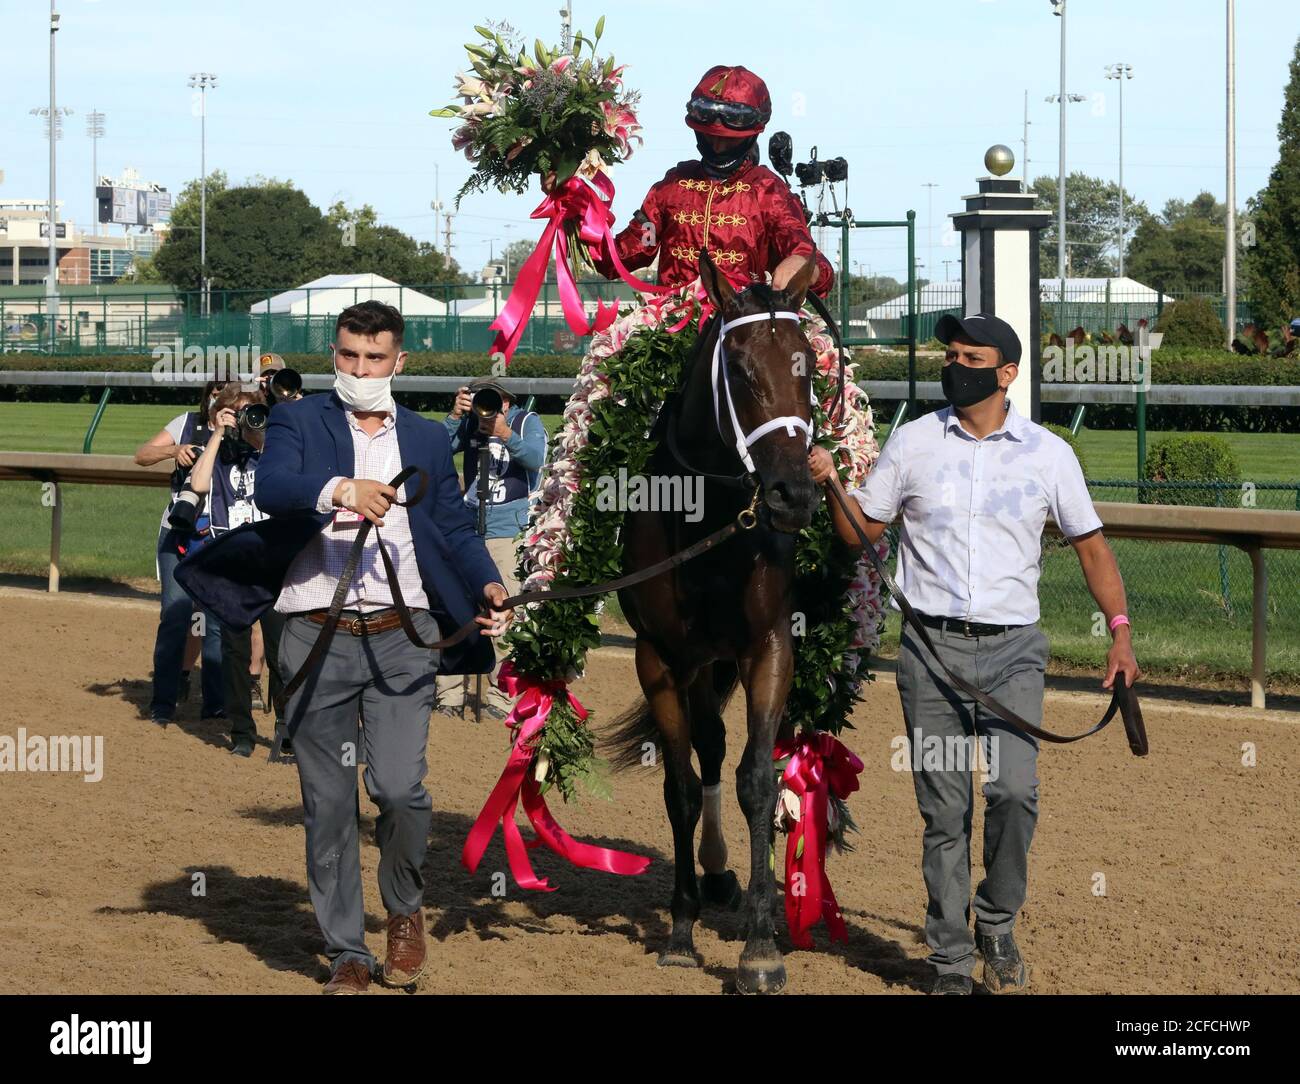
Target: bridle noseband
744,441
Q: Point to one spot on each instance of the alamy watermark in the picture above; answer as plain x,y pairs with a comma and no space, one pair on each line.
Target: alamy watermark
176,361
77,753
653,493
946,753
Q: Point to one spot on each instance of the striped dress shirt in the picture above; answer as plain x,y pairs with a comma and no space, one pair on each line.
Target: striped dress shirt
315,572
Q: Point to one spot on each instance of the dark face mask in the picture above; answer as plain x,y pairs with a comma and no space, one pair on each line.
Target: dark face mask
723,165
964,385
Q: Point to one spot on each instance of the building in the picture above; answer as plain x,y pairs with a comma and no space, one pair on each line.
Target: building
83,259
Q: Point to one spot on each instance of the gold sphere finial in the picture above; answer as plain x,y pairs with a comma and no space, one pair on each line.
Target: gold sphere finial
999,159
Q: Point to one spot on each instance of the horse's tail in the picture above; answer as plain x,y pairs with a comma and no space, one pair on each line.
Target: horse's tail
633,737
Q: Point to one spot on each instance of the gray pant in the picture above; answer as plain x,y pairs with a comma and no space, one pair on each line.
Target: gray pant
1010,668
390,682
452,688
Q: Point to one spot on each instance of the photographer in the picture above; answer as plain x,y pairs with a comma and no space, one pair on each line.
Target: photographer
278,382
226,473
486,422
181,440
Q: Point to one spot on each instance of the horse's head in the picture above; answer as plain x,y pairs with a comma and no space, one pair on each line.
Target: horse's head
768,365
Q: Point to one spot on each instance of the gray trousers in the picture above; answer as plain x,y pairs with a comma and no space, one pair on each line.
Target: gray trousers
390,683
453,689
943,722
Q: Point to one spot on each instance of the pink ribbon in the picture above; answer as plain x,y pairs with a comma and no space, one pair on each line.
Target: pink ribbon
588,203
820,765
518,784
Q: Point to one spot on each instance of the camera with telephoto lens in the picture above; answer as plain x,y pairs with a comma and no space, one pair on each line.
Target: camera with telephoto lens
809,173
184,512
486,404
284,385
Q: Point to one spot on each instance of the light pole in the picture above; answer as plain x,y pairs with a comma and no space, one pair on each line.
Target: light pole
1120,71
929,224
1058,9
202,81
1230,234
94,129
52,281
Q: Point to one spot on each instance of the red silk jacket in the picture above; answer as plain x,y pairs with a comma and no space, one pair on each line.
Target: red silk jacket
749,222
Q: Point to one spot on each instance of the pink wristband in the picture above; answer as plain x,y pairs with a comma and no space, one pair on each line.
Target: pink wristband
1117,620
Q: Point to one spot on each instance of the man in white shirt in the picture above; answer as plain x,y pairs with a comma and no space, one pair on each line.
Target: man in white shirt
974,483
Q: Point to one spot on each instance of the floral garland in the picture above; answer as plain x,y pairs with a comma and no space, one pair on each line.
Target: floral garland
624,379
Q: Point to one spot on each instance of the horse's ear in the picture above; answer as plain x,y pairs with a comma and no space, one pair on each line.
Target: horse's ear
715,282
797,288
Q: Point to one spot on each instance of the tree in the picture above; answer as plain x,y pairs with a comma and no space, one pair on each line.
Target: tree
268,235
258,237
1091,227
354,241
1272,263
1182,247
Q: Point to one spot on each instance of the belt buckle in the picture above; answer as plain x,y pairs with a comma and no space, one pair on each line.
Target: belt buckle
968,629
357,626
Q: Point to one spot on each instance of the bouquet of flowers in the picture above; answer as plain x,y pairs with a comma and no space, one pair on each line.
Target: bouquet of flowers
556,111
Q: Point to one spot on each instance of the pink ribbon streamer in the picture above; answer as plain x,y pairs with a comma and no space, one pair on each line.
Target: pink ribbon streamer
820,765
518,785
587,202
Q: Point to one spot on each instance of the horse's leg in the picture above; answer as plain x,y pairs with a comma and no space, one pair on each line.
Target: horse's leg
766,675
682,797
719,886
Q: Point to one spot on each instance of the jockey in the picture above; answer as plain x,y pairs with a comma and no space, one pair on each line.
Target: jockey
742,212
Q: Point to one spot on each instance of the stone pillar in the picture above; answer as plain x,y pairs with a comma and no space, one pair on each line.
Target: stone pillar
999,266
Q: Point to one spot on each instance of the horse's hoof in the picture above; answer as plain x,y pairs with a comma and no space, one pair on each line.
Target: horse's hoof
761,975
721,890
678,958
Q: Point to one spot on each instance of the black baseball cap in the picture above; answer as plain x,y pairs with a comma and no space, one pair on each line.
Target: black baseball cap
982,328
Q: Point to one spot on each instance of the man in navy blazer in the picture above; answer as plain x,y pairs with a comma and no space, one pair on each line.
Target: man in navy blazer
325,469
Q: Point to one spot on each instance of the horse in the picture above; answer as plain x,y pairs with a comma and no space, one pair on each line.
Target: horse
726,616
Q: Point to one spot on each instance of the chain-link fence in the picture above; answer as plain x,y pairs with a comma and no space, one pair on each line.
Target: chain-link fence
1190,603
136,320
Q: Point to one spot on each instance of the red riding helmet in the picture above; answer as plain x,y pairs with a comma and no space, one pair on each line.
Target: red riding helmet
729,101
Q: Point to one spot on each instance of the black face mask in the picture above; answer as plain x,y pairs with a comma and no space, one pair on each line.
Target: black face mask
964,385
724,165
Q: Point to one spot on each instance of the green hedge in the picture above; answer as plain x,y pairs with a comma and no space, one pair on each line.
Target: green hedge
1189,458
1170,365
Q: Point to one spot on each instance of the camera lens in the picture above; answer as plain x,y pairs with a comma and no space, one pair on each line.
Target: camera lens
286,383
253,416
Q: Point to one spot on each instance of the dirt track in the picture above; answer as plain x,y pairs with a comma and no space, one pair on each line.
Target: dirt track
1201,855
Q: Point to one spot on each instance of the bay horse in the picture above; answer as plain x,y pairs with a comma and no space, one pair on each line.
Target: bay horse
727,615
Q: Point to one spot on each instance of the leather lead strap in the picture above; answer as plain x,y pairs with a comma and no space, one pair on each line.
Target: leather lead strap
1123,699
327,631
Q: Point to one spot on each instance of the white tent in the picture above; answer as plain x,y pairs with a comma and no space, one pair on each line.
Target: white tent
329,295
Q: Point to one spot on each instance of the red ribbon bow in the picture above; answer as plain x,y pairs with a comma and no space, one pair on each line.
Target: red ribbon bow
518,784
820,765
587,202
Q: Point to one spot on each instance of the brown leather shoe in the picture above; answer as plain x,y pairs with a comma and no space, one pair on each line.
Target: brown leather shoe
406,949
350,977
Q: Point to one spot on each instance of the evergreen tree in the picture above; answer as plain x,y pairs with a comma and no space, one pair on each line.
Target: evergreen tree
1272,263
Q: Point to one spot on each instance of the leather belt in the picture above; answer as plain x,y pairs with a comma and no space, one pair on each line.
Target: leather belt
963,627
359,624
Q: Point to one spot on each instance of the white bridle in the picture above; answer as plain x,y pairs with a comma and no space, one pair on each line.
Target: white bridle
744,441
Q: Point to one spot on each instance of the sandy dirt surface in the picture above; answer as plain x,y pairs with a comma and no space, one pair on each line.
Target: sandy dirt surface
1200,854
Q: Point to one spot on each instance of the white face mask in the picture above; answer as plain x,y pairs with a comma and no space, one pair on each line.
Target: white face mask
363,393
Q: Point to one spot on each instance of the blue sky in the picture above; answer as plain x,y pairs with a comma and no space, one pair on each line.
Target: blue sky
335,95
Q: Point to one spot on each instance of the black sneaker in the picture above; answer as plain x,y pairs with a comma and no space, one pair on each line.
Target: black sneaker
950,982
242,747
1005,970
158,718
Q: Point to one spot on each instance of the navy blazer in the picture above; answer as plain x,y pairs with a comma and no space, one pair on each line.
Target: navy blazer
238,576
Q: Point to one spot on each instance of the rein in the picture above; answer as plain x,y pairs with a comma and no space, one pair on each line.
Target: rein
745,521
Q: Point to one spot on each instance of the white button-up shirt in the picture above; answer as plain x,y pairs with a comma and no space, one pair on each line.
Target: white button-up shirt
315,572
973,513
